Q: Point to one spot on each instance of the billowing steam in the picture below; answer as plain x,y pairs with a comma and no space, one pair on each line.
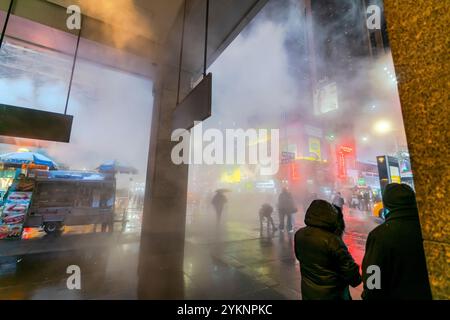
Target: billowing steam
112,109
263,80
122,20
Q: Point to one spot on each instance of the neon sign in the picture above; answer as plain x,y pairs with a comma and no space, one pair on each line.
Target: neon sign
342,162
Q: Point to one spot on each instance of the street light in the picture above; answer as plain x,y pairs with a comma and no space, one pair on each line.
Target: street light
382,127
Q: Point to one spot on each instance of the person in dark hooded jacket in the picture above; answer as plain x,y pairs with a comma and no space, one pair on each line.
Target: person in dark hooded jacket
396,247
326,266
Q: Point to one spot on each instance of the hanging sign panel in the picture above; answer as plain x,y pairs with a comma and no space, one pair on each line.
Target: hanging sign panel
195,107
34,124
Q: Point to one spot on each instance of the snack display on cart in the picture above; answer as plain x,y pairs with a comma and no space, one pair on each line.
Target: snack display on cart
13,213
15,208
14,219
4,231
11,231
20,196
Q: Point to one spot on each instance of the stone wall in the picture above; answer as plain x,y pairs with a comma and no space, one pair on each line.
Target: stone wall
418,33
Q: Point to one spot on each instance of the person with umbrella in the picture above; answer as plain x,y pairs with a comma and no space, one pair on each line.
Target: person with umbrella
219,200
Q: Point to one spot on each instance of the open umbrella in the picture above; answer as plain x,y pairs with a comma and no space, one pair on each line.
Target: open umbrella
19,158
114,166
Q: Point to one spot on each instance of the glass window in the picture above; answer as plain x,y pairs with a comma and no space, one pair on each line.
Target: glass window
96,179
312,75
26,83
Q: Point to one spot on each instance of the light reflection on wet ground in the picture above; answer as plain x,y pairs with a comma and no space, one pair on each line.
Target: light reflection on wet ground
269,257
233,261
132,226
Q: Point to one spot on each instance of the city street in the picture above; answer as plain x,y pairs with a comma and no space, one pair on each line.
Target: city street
269,258
233,261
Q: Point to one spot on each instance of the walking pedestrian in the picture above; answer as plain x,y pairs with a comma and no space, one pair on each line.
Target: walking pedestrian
219,200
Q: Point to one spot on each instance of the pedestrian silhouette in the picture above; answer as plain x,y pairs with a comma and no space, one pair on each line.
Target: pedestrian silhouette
266,213
338,201
218,202
396,249
286,208
326,266
340,221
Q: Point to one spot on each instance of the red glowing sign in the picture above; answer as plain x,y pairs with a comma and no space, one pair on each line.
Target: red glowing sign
345,149
342,165
342,161
295,174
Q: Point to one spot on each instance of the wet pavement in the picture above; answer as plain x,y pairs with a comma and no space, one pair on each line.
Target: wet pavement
232,261
268,257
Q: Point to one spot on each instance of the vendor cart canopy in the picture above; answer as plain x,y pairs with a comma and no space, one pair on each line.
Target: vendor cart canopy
114,166
20,158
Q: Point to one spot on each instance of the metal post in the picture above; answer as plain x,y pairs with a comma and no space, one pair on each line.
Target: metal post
181,51
73,70
6,23
205,59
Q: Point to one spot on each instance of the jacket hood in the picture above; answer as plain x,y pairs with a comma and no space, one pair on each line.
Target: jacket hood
400,200
321,214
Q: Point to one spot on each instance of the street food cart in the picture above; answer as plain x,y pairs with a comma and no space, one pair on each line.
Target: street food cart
54,199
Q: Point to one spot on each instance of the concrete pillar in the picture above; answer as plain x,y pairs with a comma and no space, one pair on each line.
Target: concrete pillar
161,260
163,227
419,40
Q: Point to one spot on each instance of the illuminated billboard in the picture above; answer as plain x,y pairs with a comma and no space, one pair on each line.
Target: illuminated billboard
326,99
